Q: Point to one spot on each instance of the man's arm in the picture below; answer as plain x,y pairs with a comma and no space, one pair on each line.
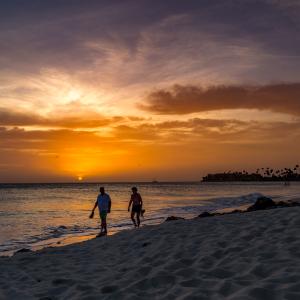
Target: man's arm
92,213
141,200
129,204
96,204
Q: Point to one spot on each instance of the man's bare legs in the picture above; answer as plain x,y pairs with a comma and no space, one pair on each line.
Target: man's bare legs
103,227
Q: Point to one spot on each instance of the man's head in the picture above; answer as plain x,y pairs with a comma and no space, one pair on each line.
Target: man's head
134,189
102,191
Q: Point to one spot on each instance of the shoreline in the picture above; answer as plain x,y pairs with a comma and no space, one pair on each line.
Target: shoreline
70,239
251,255
77,238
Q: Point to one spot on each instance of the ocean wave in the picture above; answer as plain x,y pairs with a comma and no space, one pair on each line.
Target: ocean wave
212,204
160,207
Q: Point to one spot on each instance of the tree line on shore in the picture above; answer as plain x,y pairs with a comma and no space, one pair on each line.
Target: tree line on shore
261,174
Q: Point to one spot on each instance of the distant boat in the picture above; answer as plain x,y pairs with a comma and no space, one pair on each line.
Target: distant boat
154,181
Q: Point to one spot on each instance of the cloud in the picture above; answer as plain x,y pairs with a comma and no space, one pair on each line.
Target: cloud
101,39
207,131
110,53
70,120
144,150
195,129
180,99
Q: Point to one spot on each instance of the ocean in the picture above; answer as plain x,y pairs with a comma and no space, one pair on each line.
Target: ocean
33,216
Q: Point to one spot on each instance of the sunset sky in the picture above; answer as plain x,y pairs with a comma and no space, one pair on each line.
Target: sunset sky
125,90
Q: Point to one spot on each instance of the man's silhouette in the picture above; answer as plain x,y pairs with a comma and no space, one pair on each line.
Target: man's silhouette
104,204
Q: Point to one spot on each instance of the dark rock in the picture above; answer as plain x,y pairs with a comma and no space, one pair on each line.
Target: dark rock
236,211
206,214
173,218
287,204
23,250
266,203
146,244
262,203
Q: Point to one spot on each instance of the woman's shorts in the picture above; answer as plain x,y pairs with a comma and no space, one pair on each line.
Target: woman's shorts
136,208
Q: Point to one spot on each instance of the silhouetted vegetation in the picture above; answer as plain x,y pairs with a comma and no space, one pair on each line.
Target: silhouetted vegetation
262,174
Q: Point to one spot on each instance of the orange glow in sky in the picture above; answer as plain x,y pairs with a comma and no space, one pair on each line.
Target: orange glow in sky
131,91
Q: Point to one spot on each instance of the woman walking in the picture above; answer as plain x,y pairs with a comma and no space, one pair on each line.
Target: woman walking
137,204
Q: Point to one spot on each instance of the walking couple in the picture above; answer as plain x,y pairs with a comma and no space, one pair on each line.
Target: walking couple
104,205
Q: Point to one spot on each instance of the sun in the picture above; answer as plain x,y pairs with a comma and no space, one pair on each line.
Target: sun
80,178
73,95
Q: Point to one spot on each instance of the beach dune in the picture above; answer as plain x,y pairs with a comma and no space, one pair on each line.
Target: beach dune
253,255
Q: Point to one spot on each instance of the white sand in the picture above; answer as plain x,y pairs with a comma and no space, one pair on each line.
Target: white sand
242,256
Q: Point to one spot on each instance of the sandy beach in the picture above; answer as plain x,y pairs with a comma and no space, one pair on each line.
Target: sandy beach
253,255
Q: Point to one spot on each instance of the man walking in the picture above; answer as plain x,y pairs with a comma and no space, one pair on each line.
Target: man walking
104,204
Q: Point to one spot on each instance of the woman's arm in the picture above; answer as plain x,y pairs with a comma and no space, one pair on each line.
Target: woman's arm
129,204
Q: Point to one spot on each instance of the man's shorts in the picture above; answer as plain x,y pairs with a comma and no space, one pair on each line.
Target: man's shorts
136,208
103,214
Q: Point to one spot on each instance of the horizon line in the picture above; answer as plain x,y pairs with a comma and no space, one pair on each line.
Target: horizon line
106,182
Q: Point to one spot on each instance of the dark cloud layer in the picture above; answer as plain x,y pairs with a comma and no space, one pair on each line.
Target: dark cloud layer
38,34
15,118
283,98
147,149
218,131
